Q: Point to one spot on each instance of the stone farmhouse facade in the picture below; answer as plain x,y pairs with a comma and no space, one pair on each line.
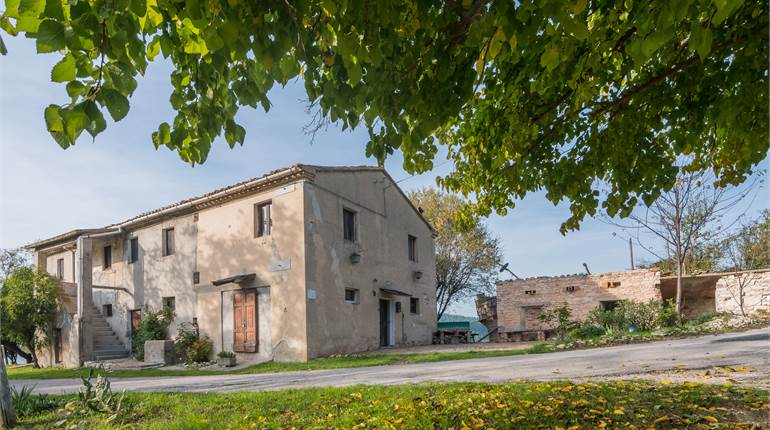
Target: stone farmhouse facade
518,304
302,262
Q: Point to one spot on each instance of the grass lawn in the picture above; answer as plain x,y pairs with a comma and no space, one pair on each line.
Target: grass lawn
27,372
619,404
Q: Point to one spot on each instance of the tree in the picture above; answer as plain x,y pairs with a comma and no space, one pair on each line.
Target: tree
12,259
527,95
687,219
467,260
746,250
28,301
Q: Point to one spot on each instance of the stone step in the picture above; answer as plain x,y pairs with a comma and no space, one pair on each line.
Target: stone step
111,356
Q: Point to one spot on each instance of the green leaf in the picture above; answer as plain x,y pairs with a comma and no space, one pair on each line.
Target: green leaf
162,137
31,7
3,49
75,121
50,36
96,122
234,133
75,89
153,48
496,43
53,119
64,70
550,58
115,102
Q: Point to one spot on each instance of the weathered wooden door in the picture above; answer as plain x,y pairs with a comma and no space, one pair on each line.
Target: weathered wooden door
384,322
245,321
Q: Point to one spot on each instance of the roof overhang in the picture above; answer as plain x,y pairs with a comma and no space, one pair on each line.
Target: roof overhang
393,292
236,279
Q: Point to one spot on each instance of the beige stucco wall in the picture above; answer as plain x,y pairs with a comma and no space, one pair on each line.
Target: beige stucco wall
755,286
590,291
227,247
384,220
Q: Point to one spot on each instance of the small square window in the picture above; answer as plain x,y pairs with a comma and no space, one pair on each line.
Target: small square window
412,244
107,257
349,225
263,219
570,289
134,251
351,295
169,302
530,292
107,310
168,241
414,305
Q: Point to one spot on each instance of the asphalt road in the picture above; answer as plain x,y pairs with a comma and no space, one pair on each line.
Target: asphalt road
750,349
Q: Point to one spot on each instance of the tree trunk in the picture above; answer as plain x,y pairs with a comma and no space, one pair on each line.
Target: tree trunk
7,414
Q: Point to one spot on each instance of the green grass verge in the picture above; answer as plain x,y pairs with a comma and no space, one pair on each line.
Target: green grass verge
618,404
27,372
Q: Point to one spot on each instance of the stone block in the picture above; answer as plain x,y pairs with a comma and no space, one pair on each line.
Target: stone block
159,352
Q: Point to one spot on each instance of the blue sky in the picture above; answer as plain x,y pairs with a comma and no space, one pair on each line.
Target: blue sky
45,190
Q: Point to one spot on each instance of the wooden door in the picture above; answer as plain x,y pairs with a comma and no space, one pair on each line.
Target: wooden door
384,322
245,321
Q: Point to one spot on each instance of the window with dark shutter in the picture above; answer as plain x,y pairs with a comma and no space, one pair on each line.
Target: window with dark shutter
351,295
169,302
263,219
60,268
134,251
349,225
107,257
412,244
414,305
168,241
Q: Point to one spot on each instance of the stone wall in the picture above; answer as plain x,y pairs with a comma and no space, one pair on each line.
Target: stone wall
755,286
519,302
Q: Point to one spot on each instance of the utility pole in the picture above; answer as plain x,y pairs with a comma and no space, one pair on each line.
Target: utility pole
631,250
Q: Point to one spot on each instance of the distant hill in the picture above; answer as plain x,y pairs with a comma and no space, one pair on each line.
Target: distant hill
476,326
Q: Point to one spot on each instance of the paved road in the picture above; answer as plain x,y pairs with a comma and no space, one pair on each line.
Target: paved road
751,348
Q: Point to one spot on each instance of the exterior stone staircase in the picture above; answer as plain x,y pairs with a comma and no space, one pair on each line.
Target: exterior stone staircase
107,346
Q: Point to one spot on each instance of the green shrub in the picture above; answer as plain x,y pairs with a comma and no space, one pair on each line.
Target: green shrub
153,326
226,354
643,316
28,404
559,318
185,338
201,350
588,331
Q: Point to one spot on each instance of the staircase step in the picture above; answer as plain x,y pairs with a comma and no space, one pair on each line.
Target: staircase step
102,357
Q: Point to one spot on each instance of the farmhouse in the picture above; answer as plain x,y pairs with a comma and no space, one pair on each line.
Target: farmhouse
302,262
516,309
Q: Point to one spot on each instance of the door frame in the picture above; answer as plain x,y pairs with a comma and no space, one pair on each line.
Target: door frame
391,319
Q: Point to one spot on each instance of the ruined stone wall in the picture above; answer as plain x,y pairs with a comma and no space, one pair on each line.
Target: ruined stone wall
756,292
519,302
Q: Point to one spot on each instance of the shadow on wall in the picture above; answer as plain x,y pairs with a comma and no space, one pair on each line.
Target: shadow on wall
229,248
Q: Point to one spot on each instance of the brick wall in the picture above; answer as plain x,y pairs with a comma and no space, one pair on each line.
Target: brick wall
518,300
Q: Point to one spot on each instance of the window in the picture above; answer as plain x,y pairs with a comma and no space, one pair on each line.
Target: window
169,302
414,305
613,284
107,310
570,289
263,219
349,225
351,295
412,248
530,292
134,251
168,241
107,257
60,268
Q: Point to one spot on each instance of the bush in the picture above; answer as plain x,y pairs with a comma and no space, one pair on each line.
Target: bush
558,318
201,350
627,314
153,326
28,404
185,338
226,354
588,331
